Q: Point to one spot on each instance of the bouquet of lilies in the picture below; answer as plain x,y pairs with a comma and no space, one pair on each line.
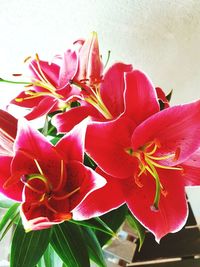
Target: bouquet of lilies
110,149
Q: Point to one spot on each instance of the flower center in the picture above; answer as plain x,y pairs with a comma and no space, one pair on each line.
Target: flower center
91,94
42,82
149,163
45,190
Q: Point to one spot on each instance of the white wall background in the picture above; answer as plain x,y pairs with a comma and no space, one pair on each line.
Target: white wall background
161,37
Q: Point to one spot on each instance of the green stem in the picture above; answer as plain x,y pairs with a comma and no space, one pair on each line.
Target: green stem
7,81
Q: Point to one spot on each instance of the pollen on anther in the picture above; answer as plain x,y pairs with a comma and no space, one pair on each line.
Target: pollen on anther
177,154
27,58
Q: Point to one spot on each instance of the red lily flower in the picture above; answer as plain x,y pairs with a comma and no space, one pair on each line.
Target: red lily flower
153,162
122,91
49,89
52,180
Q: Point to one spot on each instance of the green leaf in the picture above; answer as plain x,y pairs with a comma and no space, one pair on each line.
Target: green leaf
169,96
113,220
96,224
89,162
94,248
68,241
137,227
45,127
27,248
50,258
8,219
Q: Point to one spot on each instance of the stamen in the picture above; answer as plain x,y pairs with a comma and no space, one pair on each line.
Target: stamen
49,206
40,70
16,74
67,195
177,154
94,98
164,192
27,58
39,168
9,137
33,188
61,176
138,180
161,158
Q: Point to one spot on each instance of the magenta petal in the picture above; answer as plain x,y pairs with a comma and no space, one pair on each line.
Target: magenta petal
45,106
177,129
8,123
173,210
140,97
64,122
113,87
90,65
191,169
71,146
37,223
32,142
68,68
107,142
13,191
50,70
27,103
85,178
103,200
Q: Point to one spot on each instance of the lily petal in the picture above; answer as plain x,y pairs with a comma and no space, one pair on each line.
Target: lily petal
68,68
113,86
90,66
172,213
64,122
86,179
45,106
103,200
106,143
177,129
140,97
71,146
13,191
191,169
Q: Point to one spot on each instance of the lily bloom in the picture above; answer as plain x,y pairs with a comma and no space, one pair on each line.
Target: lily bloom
49,89
150,162
122,91
51,180
52,86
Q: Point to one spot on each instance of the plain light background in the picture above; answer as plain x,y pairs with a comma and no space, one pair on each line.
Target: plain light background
160,37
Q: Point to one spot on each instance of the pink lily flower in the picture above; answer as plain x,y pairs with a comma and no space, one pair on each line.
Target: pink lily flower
50,181
49,89
150,161
122,91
